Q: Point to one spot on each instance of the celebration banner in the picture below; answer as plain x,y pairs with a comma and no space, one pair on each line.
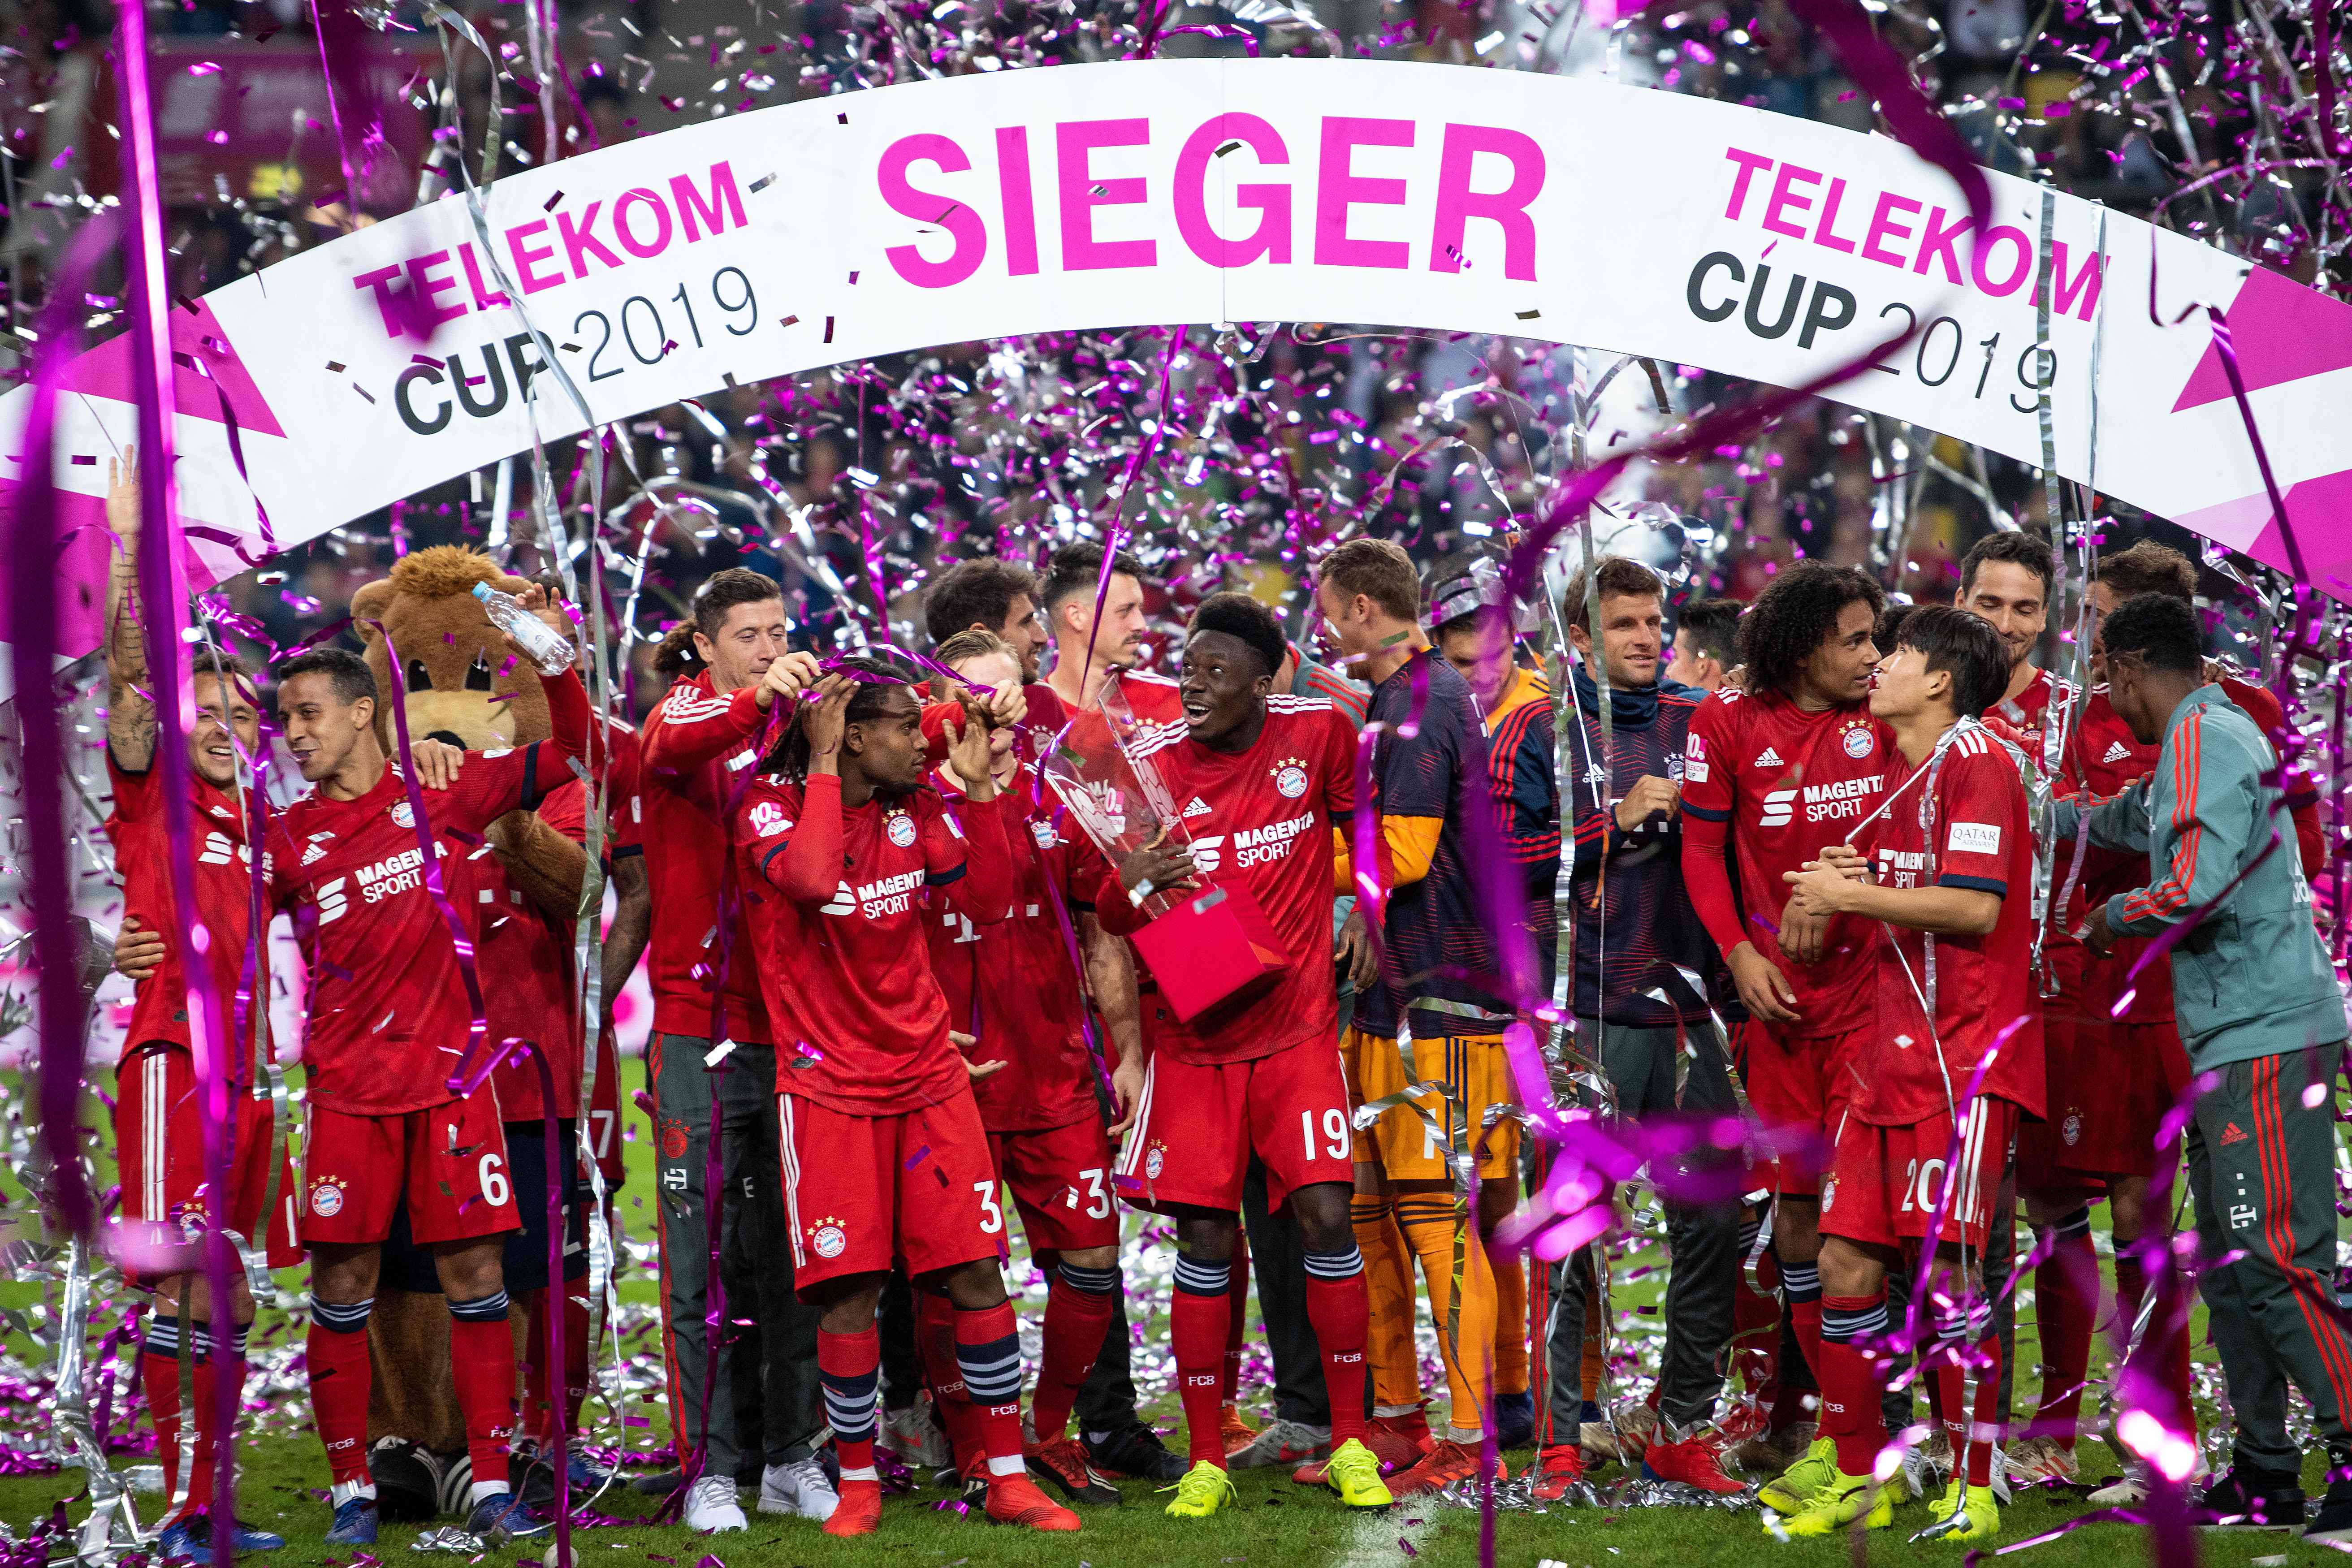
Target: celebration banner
1421,196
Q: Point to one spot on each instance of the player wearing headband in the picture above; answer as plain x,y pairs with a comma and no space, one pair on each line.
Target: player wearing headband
1015,997
1262,780
1475,633
158,1113
1777,767
1943,872
885,1155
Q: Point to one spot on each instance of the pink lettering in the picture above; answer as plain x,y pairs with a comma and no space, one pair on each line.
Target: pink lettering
420,276
963,223
1983,253
1337,189
2085,283
580,243
381,282
1785,198
1271,237
1937,242
484,299
1824,233
1019,200
1883,226
1073,145
1457,204
1748,163
524,257
722,211
640,198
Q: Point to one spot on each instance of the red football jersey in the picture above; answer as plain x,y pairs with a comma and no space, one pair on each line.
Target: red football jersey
861,1020
389,1013
1960,823
143,853
1791,783
529,982
693,760
1262,820
1152,698
2028,712
1011,986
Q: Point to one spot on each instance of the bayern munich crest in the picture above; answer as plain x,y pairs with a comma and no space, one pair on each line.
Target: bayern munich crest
2072,1128
902,832
1154,1160
401,815
1290,777
327,1198
828,1241
1858,742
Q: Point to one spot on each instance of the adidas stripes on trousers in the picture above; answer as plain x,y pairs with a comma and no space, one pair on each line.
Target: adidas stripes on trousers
2262,1173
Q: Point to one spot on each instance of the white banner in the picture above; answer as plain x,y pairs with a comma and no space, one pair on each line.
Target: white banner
1209,190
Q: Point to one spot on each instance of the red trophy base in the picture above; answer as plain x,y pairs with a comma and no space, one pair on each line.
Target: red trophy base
1210,949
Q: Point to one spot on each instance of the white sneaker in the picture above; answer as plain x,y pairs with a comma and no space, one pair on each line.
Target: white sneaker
2131,1490
1283,1443
710,1506
914,1434
798,1488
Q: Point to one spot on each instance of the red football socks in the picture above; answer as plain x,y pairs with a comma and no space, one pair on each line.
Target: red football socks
935,1337
1199,1320
1237,1298
2169,1341
1850,1412
850,1368
481,1363
988,1350
1079,1304
2066,1290
159,1378
1338,1306
1977,1434
340,1377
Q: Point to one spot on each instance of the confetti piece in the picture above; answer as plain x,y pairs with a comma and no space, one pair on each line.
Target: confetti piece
763,183
828,328
1527,315
81,461
334,367
548,205
788,321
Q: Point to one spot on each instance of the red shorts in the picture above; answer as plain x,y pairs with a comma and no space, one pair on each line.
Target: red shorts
447,1163
1799,1085
2120,1080
865,1192
1198,1126
1060,1178
159,1138
1887,1181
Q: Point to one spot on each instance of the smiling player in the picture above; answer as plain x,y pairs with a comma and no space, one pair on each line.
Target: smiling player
1257,1075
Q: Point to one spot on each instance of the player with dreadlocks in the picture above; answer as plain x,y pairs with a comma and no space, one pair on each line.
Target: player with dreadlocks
841,844
1780,765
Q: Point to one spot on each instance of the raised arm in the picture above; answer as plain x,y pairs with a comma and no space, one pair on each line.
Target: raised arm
130,710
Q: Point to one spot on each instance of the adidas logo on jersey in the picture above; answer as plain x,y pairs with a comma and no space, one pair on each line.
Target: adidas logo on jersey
2234,1133
2117,752
1770,759
1197,807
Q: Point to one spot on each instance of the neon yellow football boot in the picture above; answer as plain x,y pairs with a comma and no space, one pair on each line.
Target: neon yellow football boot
1837,1503
1204,1489
1963,1513
1355,1475
1787,1491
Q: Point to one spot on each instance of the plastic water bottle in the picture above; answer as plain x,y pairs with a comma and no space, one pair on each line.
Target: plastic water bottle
546,647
